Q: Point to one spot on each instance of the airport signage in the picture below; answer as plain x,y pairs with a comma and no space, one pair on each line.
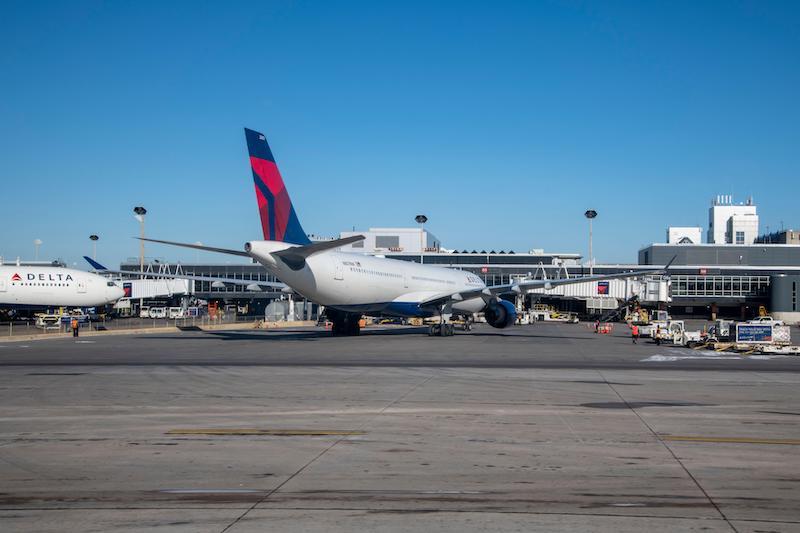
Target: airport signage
754,333
602,287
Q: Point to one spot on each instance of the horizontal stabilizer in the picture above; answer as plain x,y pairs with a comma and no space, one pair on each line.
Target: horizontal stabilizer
295,257
198,247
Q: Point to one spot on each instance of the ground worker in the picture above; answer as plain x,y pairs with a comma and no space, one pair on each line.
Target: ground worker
658,335
634,333
75,327
596,326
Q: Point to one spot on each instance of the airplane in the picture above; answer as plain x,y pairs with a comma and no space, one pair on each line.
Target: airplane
351,285
38,287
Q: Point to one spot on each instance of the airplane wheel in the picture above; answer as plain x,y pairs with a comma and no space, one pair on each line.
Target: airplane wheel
433,330
450,330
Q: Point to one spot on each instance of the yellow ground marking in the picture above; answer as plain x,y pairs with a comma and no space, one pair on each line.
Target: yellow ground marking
731,440
273,432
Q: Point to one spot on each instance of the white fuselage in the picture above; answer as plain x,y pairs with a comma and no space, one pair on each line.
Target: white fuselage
368,284
34,286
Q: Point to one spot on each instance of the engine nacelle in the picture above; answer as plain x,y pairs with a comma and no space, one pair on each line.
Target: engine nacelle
500,314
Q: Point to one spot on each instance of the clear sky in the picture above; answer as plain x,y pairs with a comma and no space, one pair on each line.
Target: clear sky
501,121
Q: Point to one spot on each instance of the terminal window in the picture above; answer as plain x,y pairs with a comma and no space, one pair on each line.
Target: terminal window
739,237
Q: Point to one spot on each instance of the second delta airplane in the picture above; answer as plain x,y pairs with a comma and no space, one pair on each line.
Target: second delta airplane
350,285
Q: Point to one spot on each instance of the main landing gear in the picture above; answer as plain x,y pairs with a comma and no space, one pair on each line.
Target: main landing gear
344,324
441,330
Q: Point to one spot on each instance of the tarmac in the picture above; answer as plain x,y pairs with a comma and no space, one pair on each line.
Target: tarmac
535,428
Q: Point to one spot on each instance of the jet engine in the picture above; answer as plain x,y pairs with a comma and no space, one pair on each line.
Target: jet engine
500,313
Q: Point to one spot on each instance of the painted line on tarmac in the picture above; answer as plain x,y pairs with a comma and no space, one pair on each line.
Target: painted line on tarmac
213,491
268,432
658,358
730,440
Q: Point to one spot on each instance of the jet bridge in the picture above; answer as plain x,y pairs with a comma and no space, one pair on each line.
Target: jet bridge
606,295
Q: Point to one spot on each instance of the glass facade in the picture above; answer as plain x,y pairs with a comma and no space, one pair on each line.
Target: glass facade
719,286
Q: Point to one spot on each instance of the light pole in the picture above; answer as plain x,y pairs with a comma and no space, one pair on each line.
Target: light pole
94,239
36,244
421,220
590,214
139,213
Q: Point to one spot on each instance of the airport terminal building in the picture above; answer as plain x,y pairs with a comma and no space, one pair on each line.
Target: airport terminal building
706,280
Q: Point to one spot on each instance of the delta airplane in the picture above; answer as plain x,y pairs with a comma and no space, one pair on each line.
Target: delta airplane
350,285
46,286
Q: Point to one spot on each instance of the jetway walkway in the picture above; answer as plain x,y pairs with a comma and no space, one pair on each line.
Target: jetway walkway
606,295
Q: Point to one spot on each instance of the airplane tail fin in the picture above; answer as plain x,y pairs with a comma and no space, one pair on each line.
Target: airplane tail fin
95,264
278,218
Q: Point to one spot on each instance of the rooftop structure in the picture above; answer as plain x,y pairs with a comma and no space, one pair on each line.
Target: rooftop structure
788,236
684,235
757,255
730,223
392,240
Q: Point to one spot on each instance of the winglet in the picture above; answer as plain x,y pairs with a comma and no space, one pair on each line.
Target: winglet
95,264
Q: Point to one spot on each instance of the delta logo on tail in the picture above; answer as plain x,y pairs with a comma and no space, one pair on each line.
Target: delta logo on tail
16,277
278,218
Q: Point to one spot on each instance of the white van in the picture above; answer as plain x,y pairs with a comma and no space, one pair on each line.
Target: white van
766,321
158,312
175,312
144,311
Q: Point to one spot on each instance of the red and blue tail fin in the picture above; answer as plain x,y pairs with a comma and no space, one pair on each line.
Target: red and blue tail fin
278,218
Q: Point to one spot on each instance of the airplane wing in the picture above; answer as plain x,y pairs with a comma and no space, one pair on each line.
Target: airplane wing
103,270
517,287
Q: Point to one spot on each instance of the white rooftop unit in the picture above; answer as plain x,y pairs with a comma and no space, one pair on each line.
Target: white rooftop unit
392,240
684,235
730,223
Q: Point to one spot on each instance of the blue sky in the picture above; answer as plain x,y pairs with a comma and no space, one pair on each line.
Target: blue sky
501,121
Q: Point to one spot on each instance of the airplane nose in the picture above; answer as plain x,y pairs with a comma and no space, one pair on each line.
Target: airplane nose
116,294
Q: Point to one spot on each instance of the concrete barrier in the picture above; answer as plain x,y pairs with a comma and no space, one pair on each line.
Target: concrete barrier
163,329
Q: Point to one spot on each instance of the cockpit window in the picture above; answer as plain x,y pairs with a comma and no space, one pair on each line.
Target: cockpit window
111,284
